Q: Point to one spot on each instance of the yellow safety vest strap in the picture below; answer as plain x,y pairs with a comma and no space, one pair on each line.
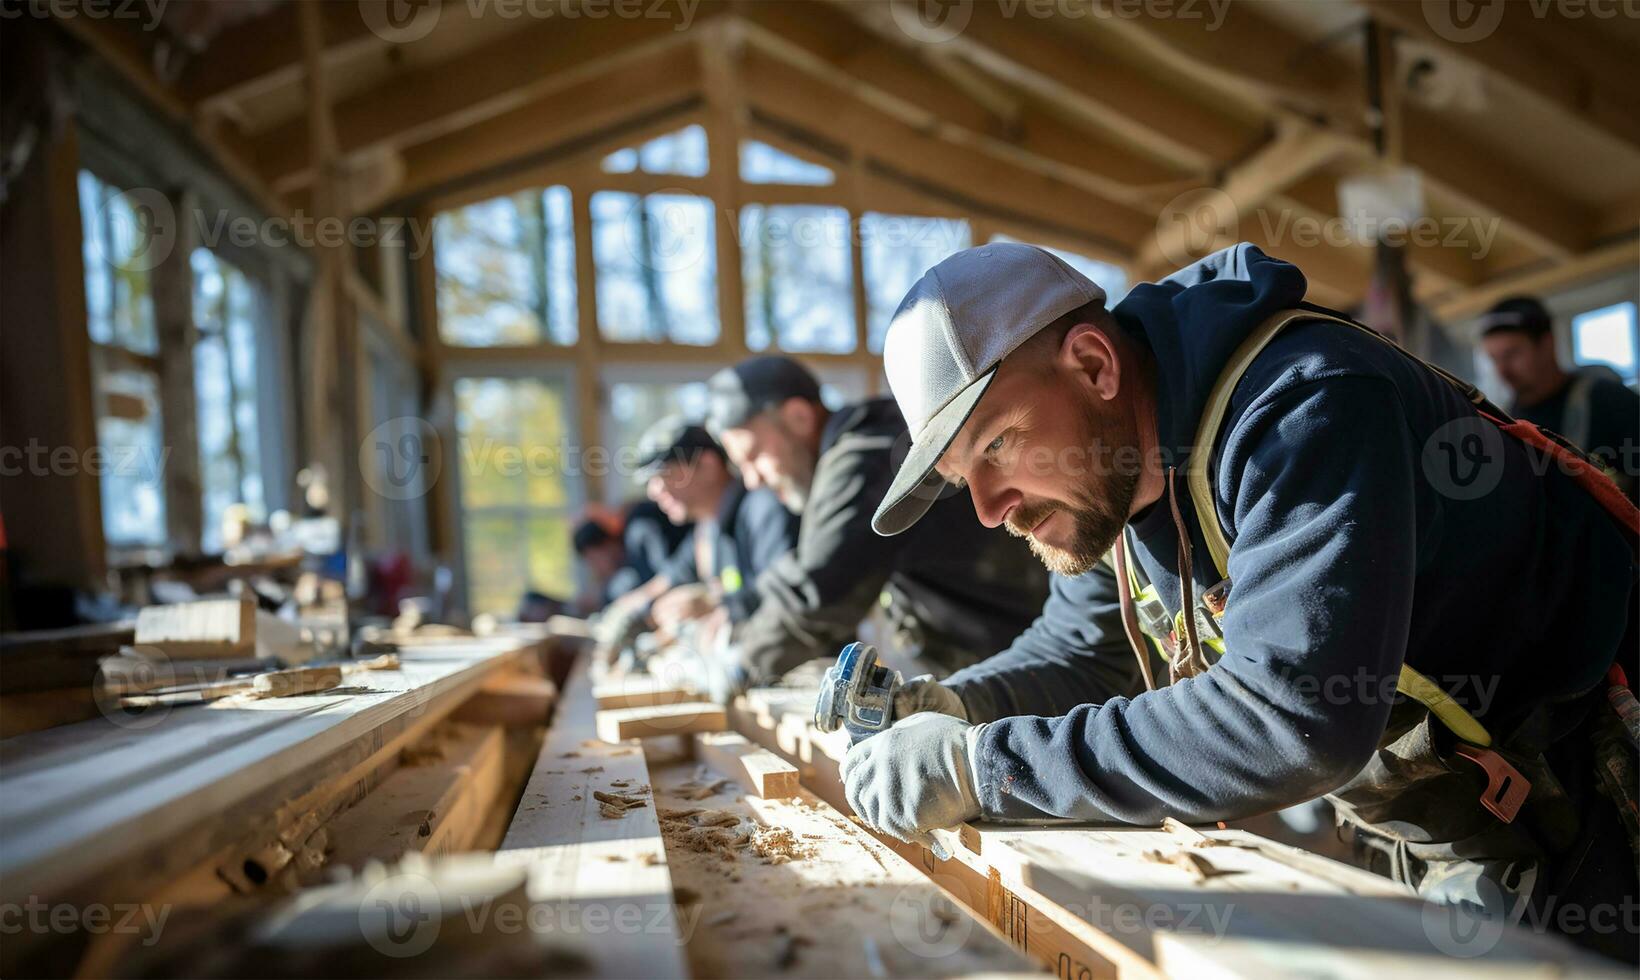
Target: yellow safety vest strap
1411,683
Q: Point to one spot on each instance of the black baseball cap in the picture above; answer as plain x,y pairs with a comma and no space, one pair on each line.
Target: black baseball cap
1518,314
673,438
735,395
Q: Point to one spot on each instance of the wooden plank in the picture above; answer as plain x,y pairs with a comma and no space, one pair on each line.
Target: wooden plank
637,691
209,628
790,888
596,870
289,683
1114,899
511,700
653,721
79,799
431,805
44,660
759,771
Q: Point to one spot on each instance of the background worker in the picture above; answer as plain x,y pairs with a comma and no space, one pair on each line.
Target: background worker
1589,406
737,533
1341,549
623,552
951,592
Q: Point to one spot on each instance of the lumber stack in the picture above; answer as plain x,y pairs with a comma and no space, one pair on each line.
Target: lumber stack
199,804
1147,902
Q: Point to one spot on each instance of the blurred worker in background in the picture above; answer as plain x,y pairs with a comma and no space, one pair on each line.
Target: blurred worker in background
737,533
622,553
951,592
1589,406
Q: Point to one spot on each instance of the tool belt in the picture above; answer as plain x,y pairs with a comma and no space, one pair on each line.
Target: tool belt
1440,798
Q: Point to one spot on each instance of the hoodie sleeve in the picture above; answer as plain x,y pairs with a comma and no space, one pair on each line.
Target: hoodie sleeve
770,530
813,597
1075,653
1323,560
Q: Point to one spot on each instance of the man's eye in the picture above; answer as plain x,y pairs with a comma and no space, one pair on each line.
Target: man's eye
996,445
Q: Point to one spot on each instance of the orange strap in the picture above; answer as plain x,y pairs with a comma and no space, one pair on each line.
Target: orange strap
1587,476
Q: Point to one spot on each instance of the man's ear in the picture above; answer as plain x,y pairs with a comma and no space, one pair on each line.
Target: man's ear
1091,355
799,416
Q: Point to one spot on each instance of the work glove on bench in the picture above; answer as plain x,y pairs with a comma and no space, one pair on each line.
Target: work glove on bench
914,778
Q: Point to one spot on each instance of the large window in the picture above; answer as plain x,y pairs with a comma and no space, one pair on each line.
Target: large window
761,163
638,397
799,286
117,231
517,489
1608,336
682,153
225,393
656,266
506,270
896,250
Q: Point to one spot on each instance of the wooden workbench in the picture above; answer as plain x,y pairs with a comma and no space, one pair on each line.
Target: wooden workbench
205,803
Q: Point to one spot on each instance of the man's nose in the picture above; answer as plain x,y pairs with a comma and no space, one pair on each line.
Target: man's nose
993,499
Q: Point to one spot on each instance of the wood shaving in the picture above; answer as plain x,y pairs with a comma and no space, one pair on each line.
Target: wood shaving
778,845
694,790
1197,864
614,806
591,769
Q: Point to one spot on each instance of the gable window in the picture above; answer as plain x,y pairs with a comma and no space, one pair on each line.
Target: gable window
506,271
656,263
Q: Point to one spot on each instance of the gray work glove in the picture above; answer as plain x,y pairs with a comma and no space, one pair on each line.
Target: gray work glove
927,694
913,778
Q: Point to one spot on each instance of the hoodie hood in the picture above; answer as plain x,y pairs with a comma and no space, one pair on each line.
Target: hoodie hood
1193,320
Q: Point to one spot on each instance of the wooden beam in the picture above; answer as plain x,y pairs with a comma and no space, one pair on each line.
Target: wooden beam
418,104
126,52
823,43
94,811
985,181
635,691
435,803
513,700
265,53
651,721
577,112
1548,220
1296,151
757,770
594,862
1575,76
1041,58
1610,260
721,48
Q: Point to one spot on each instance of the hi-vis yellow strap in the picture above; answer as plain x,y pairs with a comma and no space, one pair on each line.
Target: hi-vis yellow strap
1411,683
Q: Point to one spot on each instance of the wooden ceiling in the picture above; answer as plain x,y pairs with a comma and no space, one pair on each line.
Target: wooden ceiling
1119,125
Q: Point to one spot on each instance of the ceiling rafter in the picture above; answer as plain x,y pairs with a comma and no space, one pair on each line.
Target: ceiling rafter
419,104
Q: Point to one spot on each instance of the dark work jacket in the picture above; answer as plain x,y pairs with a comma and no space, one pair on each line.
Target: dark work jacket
960,588
1612,431
651,541
1365,530
752,529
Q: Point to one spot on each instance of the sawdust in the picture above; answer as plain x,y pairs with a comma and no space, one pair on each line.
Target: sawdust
613,806
778,845
698,790
591,769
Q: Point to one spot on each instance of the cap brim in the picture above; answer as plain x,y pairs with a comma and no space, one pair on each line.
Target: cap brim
916,486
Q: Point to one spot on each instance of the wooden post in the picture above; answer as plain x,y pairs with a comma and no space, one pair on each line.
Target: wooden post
333,349
721,47
173,291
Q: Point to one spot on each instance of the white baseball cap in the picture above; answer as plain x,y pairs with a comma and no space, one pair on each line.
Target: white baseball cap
944,344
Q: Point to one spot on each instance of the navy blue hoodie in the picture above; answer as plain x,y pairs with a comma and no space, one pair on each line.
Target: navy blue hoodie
1372,519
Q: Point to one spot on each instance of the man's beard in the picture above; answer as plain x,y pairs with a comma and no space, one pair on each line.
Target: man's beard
1099,514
